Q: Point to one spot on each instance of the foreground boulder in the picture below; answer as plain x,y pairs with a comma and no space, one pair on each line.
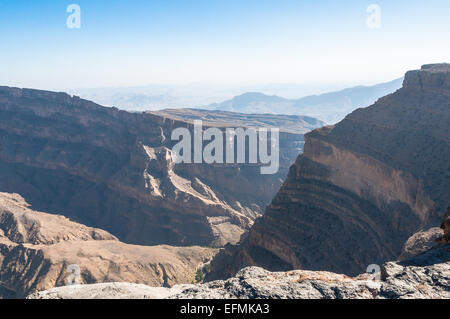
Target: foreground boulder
424,276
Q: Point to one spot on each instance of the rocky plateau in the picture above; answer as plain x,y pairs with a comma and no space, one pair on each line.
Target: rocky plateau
113,170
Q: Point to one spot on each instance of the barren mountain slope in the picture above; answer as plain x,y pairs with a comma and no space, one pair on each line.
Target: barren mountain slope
111,169
361,188
37,250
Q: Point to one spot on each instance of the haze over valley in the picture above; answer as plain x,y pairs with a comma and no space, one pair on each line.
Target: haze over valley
330,107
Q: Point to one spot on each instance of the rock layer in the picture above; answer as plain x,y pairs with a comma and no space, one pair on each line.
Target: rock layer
361,188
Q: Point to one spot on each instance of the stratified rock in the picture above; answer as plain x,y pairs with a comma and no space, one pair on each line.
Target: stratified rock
361,188
112,169
39,251
426,276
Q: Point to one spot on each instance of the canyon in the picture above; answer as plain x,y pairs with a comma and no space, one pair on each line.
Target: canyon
97,188
111,169
360,189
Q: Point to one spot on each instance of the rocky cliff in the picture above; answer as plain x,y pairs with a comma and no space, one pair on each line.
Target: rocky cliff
361,188
426,276
40,251
113,170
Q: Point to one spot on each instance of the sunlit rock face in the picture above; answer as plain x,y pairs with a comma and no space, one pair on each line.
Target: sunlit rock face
361,188
425,276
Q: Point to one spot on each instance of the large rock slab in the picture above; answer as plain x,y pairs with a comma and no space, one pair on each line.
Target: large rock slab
112,170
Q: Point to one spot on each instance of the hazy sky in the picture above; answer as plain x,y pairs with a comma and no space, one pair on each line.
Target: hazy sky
129,43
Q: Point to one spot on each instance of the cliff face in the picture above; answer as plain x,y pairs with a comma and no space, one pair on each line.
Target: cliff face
111,169
37,249
361,188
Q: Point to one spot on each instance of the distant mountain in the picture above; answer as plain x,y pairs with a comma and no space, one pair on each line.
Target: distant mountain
329,107
154,97
255,103
200,95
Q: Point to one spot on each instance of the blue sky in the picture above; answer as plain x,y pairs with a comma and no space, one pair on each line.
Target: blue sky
130,43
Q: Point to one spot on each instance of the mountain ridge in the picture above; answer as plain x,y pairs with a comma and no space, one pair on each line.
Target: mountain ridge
329,107
37,251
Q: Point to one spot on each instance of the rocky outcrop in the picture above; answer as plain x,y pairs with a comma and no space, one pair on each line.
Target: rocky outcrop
330,107
426,276
112,169
361,188
420,242
40,251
